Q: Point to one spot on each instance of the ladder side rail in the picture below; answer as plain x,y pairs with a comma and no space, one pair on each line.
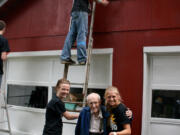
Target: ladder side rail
5,95
90,46
66,67
85,88
4,91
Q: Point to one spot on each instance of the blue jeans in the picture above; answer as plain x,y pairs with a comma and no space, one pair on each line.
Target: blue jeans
78,32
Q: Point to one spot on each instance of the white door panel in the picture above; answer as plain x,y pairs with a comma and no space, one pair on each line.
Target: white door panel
161,91
164,129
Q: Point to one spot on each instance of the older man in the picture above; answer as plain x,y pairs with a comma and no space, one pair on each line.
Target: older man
92,119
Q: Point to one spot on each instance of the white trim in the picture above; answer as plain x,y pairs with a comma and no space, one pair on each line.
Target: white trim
145,97
50,91
111,68
165,87
55,53
26,109
28,83
162,49
165,121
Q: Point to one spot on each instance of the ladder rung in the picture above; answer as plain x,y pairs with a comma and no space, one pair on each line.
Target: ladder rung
73,102
77,83
76,65
5,130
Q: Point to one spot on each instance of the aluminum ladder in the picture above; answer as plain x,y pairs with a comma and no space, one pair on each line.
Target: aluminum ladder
4,99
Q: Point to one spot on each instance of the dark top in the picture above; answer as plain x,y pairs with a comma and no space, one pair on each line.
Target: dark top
117,119
4,47
81,5
54,111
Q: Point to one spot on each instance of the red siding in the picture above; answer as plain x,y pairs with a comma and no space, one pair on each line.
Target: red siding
125,25
165,14
123,15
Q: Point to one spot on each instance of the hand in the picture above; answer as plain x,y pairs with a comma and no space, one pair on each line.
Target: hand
129,113
3,55
104,2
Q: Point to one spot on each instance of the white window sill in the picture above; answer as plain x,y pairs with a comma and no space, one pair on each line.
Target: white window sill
27,109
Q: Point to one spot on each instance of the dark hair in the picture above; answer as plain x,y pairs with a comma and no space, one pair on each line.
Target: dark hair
62,81
2,25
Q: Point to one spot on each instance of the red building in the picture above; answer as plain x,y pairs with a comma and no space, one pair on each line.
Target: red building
125,26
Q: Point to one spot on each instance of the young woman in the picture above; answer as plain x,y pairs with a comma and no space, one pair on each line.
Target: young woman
118,122
56,109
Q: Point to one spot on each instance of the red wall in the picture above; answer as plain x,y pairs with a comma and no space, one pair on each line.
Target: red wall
125,25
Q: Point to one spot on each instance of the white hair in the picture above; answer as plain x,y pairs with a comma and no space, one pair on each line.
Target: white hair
93,95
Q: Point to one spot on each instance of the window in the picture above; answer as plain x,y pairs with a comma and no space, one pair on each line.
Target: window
76,96
27,96
161,90
31,73
166,104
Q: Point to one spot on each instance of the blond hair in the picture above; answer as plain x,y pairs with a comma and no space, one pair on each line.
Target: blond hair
114,89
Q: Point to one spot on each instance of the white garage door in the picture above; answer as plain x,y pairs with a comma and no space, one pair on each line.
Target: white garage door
161,94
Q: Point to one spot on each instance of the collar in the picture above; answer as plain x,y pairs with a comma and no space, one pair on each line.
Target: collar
99,115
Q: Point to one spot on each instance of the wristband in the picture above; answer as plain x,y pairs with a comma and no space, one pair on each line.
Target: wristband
114,133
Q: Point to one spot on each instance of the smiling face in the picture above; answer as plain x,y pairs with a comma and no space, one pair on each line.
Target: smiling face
94,102
63,90
112,96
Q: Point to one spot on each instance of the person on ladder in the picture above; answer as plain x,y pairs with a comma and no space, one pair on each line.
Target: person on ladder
4,48
78,32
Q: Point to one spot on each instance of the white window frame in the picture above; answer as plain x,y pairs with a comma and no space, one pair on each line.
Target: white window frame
147,87
108,51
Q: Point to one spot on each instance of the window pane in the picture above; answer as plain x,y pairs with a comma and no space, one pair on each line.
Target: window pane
76,95
166,104
28,96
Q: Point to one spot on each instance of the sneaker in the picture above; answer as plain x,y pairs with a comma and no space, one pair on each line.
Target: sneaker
82,63
68,61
